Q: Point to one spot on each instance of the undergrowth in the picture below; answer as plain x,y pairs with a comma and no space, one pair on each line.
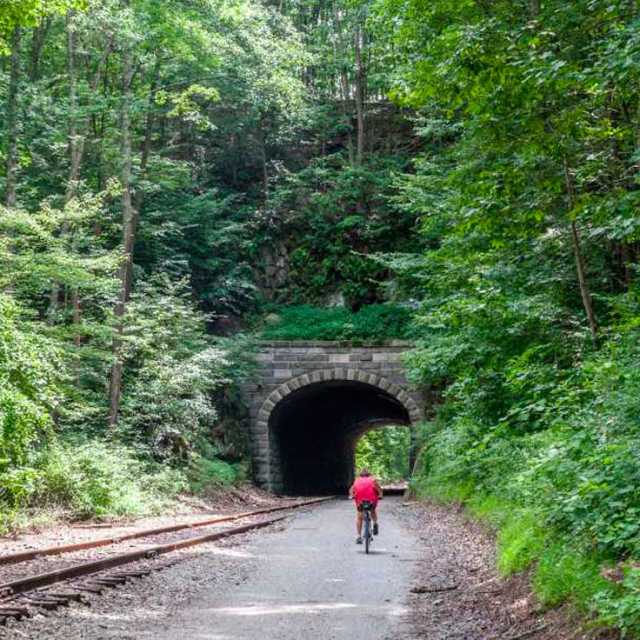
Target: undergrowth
372,323
99,479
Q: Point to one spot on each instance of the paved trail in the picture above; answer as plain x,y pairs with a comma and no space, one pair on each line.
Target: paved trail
312,582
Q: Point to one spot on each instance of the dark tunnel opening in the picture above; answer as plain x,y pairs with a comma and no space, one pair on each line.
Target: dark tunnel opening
314,430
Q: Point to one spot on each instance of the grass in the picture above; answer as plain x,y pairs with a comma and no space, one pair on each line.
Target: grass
521,541
563,574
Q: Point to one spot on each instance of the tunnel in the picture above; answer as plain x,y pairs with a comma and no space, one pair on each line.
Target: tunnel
313,432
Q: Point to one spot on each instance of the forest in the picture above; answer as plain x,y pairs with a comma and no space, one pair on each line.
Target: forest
182,178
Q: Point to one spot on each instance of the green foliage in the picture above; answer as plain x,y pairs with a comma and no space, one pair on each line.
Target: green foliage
562,492
373,323
205,474
216,93
25,13
385,452
28,380
172,369
521,540
564,574
98,479
330,217
526,189
621,607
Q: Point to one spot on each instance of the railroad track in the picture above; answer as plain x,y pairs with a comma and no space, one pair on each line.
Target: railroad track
22,596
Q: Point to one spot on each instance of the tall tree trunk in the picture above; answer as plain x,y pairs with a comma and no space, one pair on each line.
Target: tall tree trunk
339,54
12,121
76,152
361,79
265,163
76,149
128,239
37,43
77,143
587,300
344,83
138,196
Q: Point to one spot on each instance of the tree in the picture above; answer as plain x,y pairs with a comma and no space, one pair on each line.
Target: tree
28,13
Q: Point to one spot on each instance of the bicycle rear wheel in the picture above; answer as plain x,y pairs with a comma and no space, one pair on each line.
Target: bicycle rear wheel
367,531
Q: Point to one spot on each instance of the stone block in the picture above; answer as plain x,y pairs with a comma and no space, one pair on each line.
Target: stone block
387,357
316,357
339,358
286,357
281,374
394,390
373,380
370,366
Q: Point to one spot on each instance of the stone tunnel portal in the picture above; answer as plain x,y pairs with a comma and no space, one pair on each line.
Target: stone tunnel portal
310,401
313,432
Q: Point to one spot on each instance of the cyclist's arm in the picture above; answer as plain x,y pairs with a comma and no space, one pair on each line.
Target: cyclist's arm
351,491
378,489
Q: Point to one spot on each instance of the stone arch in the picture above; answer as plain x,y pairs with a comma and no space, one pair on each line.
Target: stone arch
393,391
327,375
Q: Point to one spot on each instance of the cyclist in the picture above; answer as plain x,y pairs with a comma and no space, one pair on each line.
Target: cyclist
365,489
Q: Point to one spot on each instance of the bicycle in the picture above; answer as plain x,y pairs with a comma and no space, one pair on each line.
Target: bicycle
367,507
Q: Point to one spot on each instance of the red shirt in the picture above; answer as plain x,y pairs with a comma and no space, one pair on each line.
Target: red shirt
364,490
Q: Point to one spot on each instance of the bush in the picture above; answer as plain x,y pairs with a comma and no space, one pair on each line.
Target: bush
29,384
620,607
373,323
99,479
561,488
211,473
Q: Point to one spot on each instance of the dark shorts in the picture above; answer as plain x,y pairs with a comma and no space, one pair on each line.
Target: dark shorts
372,505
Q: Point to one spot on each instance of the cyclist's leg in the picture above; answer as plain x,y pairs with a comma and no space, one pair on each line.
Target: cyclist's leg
359,519
374,517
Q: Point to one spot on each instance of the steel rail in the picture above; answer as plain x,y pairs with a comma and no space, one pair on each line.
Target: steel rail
25,556
30,583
